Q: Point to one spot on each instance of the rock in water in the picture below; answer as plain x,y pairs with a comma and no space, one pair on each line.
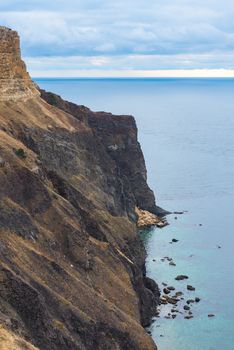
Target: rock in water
191,288
181,277
147,219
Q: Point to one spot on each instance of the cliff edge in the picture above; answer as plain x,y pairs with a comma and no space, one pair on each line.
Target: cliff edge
15,82
72,266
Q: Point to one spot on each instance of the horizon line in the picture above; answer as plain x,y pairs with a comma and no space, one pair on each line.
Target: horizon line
123,74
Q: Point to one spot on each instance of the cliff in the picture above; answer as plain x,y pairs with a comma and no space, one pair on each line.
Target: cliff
15,82
72,266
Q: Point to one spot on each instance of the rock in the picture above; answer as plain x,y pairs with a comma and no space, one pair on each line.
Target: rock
162,224
147,219
191,288
175,217
171,288
15,81
151,285
172,301
173,316
171,263
164,284
163,300
166,291
154,260
211,315
197,300
188,317
186,307
178,294
181,277
174,240
189,301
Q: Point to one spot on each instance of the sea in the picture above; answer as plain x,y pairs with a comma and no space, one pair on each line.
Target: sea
186,131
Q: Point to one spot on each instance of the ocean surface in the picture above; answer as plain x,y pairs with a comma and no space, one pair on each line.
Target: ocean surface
186,130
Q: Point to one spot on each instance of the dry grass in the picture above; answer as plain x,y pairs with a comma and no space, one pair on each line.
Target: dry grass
9,341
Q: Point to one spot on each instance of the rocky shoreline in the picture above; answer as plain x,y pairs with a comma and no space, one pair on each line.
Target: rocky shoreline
178,300
145,219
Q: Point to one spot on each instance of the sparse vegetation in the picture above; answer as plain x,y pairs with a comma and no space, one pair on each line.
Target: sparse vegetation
20,153
58,324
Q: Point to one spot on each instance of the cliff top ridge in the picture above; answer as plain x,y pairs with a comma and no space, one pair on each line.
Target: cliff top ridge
15,82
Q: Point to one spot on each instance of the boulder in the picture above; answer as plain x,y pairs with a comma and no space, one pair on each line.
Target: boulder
181,277
191,288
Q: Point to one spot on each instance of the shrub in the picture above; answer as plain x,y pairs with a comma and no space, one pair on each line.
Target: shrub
20,153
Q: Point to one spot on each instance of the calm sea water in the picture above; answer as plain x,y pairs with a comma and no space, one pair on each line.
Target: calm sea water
186,129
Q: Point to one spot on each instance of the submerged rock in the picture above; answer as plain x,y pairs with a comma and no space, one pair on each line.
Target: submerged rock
191,288
181,277
179,293
171,288
166,291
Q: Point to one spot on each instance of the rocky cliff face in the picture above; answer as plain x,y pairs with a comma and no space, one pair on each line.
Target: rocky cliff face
15,82
72,266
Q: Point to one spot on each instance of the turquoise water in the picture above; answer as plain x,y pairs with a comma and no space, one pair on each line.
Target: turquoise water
186,129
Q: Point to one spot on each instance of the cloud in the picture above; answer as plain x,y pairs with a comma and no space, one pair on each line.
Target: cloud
149,35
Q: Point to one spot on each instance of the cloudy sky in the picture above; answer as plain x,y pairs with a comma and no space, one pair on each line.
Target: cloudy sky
122,37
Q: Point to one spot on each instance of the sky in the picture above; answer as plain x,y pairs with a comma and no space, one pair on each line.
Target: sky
123,37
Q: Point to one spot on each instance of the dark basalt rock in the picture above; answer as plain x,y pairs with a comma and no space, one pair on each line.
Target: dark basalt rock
191,288
181,277
166,291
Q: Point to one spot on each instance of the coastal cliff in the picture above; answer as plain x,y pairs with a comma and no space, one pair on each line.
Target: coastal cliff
72,266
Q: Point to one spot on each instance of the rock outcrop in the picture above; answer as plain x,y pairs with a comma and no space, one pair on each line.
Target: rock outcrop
72,266
146,219
15,82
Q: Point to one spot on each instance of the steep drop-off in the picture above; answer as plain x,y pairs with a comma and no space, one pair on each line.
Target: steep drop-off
72,267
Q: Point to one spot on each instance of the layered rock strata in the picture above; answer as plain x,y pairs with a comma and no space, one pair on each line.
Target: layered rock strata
15,82
72,266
